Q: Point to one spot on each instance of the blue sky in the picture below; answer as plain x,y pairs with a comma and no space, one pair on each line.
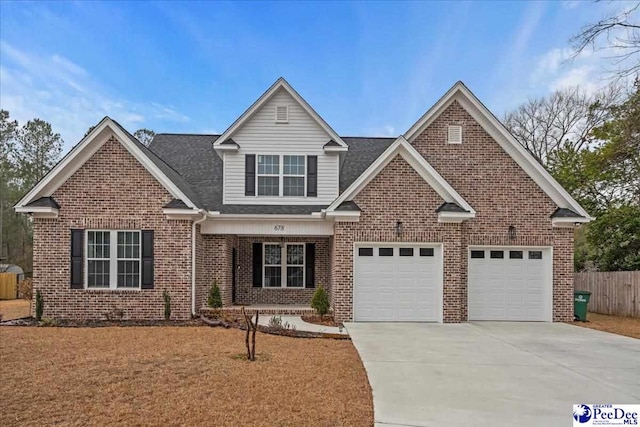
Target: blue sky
368,68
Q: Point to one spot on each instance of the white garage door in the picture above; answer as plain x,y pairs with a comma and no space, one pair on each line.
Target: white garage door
510,284
397,283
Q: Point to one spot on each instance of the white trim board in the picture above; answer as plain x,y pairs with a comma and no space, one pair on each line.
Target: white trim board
460,93
281,83
402,147
83,151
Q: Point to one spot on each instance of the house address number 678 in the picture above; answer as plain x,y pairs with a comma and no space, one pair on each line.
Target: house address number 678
278,227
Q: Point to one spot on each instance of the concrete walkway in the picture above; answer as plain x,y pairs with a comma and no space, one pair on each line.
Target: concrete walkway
493,373
301,325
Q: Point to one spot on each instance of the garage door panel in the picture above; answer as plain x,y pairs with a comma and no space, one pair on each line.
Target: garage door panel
517,289
397,288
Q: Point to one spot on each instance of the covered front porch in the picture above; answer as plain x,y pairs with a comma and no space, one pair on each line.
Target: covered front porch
276,275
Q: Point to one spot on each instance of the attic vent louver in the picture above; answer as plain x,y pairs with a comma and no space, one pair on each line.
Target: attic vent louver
282,114
454,134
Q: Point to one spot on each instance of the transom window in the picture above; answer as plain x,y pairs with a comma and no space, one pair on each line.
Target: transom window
113,259
286,181
284,265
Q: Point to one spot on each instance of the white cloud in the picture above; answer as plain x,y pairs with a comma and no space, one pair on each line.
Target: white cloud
55,89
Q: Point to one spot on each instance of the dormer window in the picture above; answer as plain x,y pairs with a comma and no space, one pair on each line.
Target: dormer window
290,182
454,134
282,114
281,175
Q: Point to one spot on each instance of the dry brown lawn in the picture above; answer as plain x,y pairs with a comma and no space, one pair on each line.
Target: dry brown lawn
14,309
628,326
177,376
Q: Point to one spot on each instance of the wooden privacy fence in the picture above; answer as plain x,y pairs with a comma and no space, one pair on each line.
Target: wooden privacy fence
8,285
612,292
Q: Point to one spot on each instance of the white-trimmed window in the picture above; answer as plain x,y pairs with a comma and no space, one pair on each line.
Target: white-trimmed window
290,180
283,265
113,259
268,175
293,175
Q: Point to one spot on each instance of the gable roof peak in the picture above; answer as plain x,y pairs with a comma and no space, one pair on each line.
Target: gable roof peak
280,83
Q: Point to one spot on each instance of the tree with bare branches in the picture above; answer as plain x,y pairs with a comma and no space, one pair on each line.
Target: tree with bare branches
561,121
618,33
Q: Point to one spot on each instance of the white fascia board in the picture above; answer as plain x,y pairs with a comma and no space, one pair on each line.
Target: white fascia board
227,147
178,213
86,148
240,217
569,222
281,83
459,92
427,172
39,211
455,216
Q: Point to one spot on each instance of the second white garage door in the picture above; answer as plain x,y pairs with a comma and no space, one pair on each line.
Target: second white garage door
510,284
397,283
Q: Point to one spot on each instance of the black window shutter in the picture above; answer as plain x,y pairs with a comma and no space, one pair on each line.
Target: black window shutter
250,175
257,265
147,259
312,176
310,265
77,251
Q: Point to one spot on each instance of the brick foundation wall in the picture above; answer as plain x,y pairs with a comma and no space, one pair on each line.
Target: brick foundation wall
112,191
247,294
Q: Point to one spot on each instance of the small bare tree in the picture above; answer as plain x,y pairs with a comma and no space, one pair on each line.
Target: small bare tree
618,33
251,333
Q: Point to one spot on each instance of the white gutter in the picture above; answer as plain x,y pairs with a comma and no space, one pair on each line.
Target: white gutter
193,259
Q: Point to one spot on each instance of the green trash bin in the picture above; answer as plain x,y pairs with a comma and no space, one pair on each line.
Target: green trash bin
580,301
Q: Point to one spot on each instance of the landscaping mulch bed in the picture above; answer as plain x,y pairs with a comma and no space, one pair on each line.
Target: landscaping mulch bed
178,376
324,320
627,326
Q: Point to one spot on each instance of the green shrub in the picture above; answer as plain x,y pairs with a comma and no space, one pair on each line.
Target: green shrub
213,299
167,305
320,301
39,306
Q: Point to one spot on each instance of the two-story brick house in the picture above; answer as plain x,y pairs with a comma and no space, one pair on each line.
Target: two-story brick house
452,221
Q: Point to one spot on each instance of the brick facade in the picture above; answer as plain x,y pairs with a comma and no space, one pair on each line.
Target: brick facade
112,191
502,194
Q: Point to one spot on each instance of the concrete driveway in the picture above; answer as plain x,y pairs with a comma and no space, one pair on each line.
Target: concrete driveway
493,373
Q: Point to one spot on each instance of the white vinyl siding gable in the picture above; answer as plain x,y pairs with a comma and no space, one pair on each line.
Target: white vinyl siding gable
300,136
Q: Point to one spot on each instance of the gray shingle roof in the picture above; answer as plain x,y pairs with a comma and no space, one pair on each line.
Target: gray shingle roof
348,206
192,158
47,202
450,207
362,152
565,213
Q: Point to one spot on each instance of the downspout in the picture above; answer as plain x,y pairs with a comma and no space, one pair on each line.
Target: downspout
193,260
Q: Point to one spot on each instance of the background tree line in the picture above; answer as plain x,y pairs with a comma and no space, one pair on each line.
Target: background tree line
27,153
591,144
